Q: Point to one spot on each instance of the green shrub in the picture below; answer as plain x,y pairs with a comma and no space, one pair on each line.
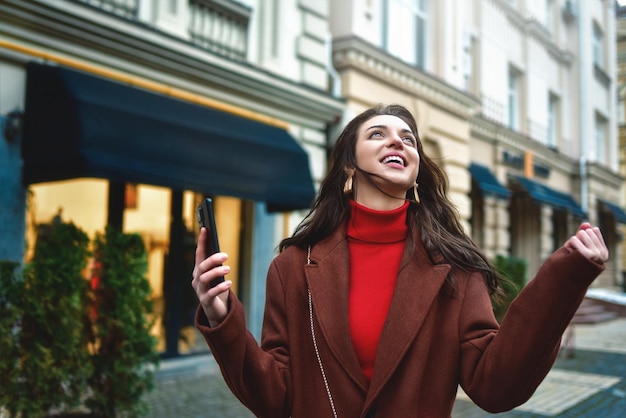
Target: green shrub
65,346
123,346
44,331
513,270
11,287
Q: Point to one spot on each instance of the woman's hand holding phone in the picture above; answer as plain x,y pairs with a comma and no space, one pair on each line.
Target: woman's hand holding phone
214,300
206,219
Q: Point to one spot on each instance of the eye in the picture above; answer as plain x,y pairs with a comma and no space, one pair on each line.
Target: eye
376,134
409,140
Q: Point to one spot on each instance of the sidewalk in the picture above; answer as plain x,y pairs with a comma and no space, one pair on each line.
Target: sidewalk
193,387
590,384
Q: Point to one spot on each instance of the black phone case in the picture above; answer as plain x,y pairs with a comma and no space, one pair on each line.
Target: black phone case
206,218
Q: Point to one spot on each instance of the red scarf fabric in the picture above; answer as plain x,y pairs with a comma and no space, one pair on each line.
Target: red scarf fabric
375,241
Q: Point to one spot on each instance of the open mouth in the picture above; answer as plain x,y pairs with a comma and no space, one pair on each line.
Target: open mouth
394,159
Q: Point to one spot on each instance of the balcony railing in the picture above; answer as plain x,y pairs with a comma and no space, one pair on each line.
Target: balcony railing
537,131
126,8
493,109
220,26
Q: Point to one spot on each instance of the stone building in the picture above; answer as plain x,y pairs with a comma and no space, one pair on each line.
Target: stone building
621,123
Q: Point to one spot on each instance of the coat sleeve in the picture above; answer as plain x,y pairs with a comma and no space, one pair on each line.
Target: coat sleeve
259,377
501,367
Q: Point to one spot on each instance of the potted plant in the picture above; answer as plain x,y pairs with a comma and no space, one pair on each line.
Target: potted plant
123,349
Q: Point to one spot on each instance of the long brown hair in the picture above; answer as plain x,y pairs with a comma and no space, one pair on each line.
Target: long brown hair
436,217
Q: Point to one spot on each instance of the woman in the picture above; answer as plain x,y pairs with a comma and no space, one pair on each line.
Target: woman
379,304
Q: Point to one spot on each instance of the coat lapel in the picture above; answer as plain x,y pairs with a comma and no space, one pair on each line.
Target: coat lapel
418,284
328,280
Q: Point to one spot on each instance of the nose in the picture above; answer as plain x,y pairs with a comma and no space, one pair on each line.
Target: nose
395,140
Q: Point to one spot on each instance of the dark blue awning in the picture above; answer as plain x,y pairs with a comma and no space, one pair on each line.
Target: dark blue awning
487,182
79,125
554,198
616,210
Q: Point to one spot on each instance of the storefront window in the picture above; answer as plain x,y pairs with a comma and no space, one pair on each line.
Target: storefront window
148,212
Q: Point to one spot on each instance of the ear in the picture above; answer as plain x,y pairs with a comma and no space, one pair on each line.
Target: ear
349,170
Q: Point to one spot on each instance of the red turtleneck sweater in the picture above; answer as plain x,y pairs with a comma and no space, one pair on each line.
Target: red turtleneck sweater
376,241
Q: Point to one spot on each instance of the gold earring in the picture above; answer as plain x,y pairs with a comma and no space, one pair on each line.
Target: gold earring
347,186
415,195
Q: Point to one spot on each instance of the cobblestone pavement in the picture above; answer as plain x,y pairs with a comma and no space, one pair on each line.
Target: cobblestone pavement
591,383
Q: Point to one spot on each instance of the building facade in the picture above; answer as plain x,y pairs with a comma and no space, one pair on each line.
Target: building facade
621,121
556,86
128,112
515,99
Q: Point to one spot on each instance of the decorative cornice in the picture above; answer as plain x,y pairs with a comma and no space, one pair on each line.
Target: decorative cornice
537,31
353,53
532,28
605,175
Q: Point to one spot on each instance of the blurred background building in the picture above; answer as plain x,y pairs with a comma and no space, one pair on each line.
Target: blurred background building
621,121
127,112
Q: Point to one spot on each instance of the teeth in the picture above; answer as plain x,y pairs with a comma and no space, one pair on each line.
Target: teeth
393,159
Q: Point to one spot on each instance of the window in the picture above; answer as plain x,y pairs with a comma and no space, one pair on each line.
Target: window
513,99
553,105
598,56
405,30
600,138
549,23
173,7
559,229
477,219
421,20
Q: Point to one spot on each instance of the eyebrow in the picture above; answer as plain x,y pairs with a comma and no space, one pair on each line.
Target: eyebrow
386,127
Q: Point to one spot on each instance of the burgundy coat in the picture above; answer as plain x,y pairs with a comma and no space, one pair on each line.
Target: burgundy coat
431,341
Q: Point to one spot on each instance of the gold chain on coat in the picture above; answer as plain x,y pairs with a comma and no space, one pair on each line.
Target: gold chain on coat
317,353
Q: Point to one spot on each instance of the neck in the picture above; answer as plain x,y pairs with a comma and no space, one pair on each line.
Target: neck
379,202
376,195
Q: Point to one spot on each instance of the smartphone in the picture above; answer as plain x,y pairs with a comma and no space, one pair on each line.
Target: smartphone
206,218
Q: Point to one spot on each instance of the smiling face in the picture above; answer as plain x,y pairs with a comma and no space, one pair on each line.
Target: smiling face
386,149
